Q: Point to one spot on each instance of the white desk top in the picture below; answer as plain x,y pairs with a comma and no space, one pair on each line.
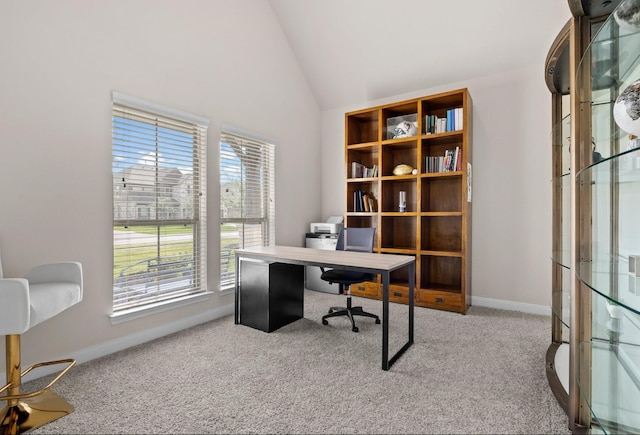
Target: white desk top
328,258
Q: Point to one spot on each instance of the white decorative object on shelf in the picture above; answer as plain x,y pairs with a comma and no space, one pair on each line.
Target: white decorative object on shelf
626,110
402,126
634,285
405,129
627,15
402,169
614,310
634,265
402,203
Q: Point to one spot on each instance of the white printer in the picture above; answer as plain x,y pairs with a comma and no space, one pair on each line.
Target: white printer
322,235
325,227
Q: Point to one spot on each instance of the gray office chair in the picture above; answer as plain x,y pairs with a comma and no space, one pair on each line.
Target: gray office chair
350,239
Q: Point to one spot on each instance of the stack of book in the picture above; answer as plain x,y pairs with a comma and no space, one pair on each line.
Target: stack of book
449,162
453,121
359,170
363,201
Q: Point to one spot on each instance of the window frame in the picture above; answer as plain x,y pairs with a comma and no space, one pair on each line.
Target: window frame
193,289
263,162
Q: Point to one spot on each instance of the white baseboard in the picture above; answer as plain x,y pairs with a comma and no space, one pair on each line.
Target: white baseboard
511,306
118,344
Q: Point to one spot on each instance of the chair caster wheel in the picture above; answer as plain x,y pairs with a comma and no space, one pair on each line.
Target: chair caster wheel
377,321
324,322
355,329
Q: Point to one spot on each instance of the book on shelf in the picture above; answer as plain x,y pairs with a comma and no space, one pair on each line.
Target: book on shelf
449,162
358,170
372,203
451,122
363,201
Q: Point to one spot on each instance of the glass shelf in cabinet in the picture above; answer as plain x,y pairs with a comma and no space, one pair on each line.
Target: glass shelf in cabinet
612,281
613,323
613,383
560,306
619,168
562,258
614,60
561,246
607,138
561,133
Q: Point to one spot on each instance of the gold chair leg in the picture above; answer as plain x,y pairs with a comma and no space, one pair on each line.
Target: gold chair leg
29,411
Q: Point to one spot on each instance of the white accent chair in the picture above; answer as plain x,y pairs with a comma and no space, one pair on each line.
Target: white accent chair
44,292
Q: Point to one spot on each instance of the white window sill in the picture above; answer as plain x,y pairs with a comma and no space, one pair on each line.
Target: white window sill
148,310
227,290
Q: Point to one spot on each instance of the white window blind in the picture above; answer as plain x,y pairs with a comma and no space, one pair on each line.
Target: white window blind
159,204
247,194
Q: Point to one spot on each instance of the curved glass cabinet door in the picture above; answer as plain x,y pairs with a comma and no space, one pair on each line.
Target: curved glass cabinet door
610,210
562,189
561,255
557,77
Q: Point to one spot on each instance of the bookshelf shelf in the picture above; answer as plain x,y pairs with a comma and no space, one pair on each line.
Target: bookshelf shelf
435,225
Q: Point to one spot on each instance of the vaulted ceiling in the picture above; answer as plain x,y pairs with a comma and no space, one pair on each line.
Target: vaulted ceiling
353,51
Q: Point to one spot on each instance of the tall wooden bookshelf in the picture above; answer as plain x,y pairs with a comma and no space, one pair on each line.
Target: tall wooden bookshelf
435,227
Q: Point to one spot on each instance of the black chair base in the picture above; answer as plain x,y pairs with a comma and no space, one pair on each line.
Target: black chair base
350,312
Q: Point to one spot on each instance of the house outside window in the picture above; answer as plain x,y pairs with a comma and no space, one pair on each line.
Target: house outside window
247,198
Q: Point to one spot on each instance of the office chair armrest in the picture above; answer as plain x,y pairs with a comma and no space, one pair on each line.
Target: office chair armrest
68,271
15,311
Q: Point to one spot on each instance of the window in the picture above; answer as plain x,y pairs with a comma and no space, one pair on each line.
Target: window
159,204
247,192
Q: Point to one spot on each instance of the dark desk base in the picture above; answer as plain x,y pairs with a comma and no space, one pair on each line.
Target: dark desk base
272,294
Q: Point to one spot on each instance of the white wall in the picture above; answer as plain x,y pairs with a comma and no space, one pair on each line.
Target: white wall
511,219
224,60
227,61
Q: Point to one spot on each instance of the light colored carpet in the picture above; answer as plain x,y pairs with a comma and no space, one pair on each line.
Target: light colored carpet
479,373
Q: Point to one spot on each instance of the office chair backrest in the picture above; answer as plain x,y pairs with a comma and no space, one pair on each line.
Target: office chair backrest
357,239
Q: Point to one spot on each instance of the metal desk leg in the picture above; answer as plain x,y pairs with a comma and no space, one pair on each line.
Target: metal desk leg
412,272
386,362
385,321
237,295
